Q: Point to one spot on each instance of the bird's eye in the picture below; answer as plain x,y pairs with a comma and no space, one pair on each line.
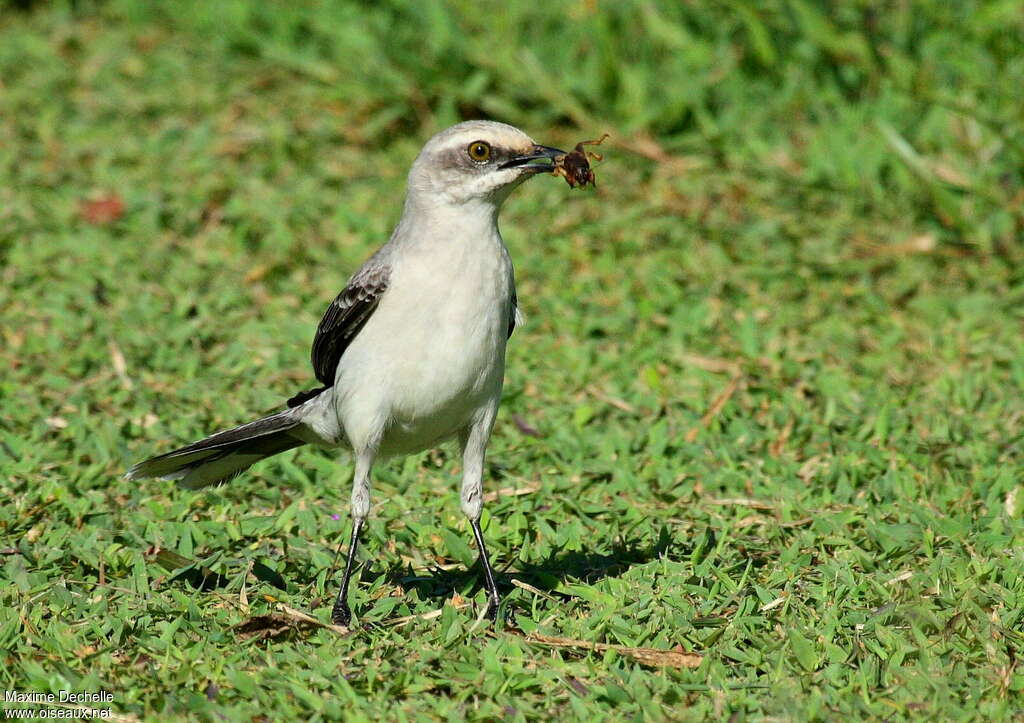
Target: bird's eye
479,151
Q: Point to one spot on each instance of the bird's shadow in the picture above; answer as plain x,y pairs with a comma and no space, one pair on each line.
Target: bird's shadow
545,575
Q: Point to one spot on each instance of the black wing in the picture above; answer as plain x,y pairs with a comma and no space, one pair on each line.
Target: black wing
512,314
345,317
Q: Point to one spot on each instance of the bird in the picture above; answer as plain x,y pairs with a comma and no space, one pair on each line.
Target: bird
411,353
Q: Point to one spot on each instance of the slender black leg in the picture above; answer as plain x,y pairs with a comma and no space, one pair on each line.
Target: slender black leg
492,588
341,614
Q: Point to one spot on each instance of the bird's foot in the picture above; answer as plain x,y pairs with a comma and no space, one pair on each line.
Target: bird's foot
496,612
341,614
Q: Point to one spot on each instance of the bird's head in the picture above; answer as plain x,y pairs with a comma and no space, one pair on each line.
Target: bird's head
477,162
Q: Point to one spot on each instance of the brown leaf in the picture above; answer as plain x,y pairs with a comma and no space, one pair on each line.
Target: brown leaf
265,627
281,624
102,211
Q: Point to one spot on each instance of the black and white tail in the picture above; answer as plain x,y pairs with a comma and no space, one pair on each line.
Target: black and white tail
224,455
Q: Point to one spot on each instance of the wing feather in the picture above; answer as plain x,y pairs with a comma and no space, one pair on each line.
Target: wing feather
513,314
345,317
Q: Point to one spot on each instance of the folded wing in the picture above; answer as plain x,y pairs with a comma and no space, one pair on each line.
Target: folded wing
345,317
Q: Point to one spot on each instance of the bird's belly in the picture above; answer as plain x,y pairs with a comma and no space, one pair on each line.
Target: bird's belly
416,388
451,370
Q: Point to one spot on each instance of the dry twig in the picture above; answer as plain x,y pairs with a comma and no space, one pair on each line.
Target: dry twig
715,408
675,658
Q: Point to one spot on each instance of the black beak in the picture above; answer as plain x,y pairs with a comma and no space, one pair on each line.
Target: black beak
536,160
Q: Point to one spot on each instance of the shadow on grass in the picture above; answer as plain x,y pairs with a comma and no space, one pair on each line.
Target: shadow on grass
546,575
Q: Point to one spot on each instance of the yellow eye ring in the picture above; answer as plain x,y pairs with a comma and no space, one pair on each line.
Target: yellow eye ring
479,151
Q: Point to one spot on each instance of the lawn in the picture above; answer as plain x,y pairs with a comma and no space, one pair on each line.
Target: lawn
760,452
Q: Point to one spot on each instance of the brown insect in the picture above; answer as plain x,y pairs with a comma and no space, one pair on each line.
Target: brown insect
574,166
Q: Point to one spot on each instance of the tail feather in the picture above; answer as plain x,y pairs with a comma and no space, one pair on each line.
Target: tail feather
224,455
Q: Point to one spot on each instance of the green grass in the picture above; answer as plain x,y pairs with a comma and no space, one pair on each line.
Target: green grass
812,216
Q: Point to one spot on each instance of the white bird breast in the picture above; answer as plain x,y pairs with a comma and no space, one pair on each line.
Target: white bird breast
432,355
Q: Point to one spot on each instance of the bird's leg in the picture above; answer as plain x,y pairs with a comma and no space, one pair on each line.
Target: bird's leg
342,614
492,589
474,443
